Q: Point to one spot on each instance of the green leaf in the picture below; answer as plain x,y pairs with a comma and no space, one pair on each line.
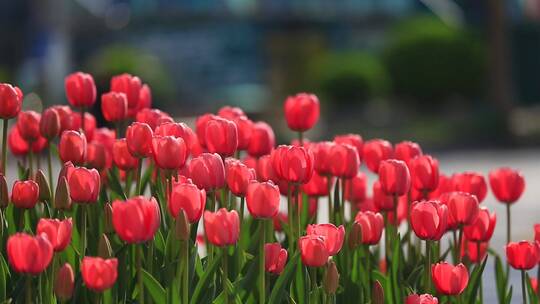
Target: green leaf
283,281
396,256
475,280
115,185
157,292
204,281
533,296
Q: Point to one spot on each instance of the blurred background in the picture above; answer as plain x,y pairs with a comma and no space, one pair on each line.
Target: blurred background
445,73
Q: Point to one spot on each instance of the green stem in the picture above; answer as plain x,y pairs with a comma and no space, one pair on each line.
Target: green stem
330,204
138,258
242,199
4,146
342,206
185,276
368,269
139,177
508,224
30,161
456,248
97,298
460,240
21,220
479,261
336,203
49,167
290,217
225,274
83,234
313,278
298,212
261,262
28,290
301,138
386,236
428,266
523,290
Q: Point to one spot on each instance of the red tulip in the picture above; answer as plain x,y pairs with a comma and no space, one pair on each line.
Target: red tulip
462,207
534,284
275,258
186,196
221,136
367,205
207,171
200,127
84,185
244,126
371,224
238,176
25,194
354,140
375,151
64,282
49,124
381,200
537,233
281,217
451,222
145,98
122,157
317,185
470,250
131,86
444,185
114,106
10,101
523,255
428,220
72,147
394,177
136,220
507,184
421,299
265,169
293,164
262,140
89,124
153,117
262,199
222,227
355,188
169,153
407,151
96,156
65,113
402,211
424,173
449,279
231,113
17,145
313,250
29,254
58,232
28,125
470,182
139,139
301,111
332,236
322,152
80,89
99,274
178,130
344,161
481,229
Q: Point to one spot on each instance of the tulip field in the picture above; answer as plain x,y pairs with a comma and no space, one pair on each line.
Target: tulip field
150,210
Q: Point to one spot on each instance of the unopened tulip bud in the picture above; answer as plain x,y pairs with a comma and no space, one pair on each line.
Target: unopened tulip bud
331,278
182,226
63,284
104,247
62,199
378,293
355,236
44,190
4,195
108,213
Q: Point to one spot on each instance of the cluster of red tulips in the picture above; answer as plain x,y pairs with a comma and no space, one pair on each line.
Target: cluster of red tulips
120,222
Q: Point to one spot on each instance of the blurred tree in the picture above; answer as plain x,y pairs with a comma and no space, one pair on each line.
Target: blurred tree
429,62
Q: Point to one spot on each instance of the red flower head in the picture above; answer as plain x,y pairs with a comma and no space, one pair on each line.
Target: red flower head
375,151
10,101
83,184
89,124
207,171
421,299
344,161
139,139
25,194
444,185
281,217
238,176
332,236
136,220
313,250
449,279
99,274
17,145
114,106
222,227
317,185
275,258
381,200
80,90
428,219
371,226
28,125
145,98
322,152
72,147
262,199
402,211
245,128
407,151
470,250
356,188
169,153
507,184
302,111
394,177
64,282
153,117
131,86
221,136
65,113
231,113
470,182
354,140
97,156
265,170
186,196
29,254
482,228
424,173
200,127
49,124
537,233
262,140
462,207
178,130
58,232
523,255
293,164
122,157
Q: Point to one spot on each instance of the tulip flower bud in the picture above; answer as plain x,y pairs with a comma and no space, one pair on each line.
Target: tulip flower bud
331,278
378,293
104,247
355,236
181,227
4,196
44,189
107,222
62,198
49,125
64,282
